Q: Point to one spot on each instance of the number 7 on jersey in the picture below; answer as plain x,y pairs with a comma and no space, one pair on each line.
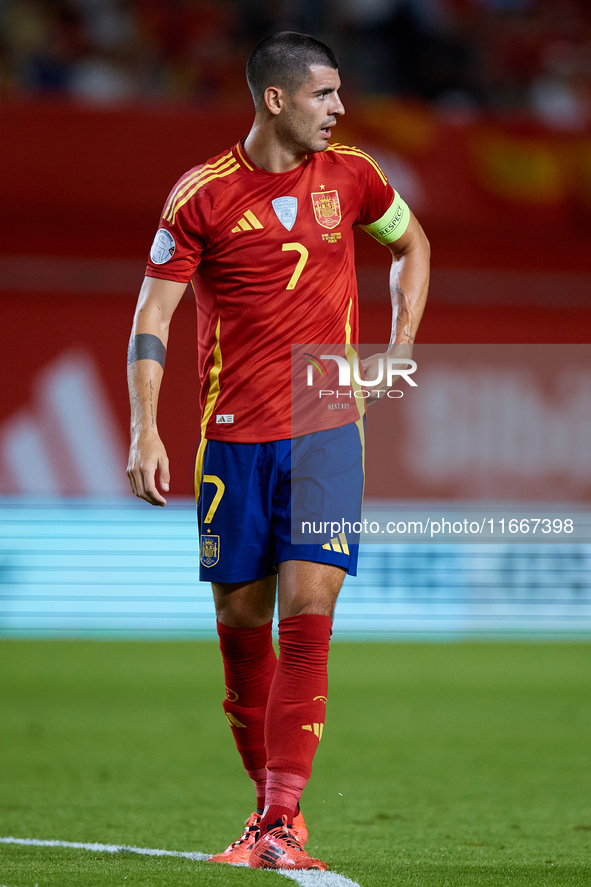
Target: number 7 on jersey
301,249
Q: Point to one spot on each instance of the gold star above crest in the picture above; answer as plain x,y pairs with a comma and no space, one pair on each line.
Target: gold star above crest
322,187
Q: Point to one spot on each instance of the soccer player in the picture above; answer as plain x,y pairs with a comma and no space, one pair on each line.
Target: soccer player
264,232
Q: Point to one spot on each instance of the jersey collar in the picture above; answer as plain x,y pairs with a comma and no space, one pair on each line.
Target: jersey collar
246,163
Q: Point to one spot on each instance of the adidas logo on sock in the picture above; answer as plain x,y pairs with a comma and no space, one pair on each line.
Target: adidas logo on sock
316,729
234,720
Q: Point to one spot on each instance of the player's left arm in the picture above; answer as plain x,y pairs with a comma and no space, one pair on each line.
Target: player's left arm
409,283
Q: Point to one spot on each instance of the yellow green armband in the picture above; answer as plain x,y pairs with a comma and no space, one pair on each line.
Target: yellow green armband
393,223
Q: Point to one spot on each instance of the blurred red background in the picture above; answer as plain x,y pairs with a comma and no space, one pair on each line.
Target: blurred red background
505,201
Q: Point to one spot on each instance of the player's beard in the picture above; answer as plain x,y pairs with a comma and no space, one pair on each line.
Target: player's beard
297,133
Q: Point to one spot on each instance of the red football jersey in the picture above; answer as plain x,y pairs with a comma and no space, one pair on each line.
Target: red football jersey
271,260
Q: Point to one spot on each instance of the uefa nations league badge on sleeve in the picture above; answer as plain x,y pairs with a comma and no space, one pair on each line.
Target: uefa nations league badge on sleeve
163,247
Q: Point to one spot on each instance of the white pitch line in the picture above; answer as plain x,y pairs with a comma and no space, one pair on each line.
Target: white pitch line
104,848
306,879
319,879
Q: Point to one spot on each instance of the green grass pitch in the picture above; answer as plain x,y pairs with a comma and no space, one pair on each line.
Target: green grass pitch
441,765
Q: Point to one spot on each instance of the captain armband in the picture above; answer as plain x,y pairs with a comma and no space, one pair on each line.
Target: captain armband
393,223
145,346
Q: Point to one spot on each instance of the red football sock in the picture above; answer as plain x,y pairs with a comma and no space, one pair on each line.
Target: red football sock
259,777
249,666
283,792
295,711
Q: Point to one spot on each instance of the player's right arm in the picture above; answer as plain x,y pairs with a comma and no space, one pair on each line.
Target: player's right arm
157,302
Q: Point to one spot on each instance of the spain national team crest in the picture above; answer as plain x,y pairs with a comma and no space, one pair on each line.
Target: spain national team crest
210,550
327,208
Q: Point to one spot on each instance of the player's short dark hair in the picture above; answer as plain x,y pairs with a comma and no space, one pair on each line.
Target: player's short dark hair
284,60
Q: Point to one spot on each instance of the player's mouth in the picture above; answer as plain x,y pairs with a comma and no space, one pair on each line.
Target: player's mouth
325,131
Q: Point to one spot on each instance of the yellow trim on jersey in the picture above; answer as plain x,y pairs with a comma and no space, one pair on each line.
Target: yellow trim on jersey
392,224
348,324
242,157
193,191
214,381
357,152
351,354
194,177
212,396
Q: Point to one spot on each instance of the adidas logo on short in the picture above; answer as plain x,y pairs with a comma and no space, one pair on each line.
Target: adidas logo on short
338,544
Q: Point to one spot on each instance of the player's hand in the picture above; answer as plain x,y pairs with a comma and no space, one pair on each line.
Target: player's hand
146,457
371,370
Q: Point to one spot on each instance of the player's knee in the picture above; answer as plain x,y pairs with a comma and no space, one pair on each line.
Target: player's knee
307,605
243,606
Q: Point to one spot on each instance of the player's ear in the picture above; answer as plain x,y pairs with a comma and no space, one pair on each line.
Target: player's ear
273,98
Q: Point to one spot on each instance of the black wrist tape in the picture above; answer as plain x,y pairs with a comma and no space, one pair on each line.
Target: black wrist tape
145,346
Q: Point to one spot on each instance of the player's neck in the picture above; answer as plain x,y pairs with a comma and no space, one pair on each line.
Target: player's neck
269,153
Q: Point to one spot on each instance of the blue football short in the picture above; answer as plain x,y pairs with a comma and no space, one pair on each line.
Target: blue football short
259,504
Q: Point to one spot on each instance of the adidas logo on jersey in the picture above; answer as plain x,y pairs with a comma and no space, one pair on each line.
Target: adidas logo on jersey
338,544
247,223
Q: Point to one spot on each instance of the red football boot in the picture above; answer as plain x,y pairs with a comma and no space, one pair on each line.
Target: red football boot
281,849
299,827
238,853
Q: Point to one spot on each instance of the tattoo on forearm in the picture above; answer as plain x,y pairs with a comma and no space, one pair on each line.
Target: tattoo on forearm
401,311
152,404
400,318
145,346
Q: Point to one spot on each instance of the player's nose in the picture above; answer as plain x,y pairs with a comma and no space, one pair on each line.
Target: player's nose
337,106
